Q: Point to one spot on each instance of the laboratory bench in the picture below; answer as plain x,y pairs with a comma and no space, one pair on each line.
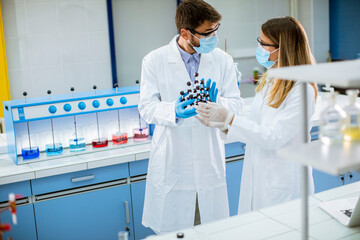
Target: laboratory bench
280,222
98,194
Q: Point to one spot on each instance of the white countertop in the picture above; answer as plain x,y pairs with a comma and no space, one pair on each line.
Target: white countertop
280,222
10,172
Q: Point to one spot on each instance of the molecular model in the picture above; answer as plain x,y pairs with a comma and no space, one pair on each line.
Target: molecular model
197,90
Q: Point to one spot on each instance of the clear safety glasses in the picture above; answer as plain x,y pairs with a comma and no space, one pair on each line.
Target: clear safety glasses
206,34
266,44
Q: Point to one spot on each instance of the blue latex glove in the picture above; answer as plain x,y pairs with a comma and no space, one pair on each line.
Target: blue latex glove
213,90
180,110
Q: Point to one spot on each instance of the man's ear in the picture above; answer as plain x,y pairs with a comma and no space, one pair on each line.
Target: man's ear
185,34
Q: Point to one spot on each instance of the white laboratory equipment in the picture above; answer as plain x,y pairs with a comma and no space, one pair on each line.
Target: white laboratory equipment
332,120
70,122
352,123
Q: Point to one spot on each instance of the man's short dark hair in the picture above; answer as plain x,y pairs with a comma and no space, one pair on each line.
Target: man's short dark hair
190,14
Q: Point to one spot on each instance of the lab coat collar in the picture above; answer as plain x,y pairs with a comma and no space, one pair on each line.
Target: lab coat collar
175,56
186,56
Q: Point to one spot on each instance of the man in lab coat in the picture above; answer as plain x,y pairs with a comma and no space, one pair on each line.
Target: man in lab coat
186,181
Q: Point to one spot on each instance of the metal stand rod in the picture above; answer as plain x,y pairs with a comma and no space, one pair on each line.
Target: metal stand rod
305,203
76,137
305,173
28,129
119,119
52,132
97,124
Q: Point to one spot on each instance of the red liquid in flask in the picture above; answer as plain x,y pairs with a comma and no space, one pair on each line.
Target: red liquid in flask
99,142
119,138
141,134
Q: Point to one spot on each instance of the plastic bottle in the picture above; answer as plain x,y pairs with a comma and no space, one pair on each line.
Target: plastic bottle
332,120
352,123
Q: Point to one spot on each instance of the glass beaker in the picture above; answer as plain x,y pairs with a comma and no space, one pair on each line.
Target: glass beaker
140,134
99,142
53,149
77,144
119,138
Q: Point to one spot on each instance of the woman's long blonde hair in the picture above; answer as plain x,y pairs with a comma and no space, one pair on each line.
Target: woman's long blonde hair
294,49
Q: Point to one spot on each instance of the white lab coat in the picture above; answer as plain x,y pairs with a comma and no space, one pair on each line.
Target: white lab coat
267,180
186,157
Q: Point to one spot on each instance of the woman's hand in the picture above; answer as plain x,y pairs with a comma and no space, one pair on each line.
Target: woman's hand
214,115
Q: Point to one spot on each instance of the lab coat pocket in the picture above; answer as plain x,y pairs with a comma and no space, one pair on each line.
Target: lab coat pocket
157,156
280,177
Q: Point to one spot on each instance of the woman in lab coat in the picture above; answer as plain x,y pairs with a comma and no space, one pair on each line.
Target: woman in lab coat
273,121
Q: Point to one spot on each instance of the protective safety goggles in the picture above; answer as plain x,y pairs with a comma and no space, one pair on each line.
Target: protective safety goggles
266,44
206,34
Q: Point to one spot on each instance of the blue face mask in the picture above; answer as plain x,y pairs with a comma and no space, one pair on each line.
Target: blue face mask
262,56
206,44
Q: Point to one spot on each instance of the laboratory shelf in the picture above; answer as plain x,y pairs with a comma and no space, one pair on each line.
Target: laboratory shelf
333,159
344,74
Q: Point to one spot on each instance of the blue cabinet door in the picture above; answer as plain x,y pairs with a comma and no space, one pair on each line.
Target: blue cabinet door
233,181
96,214
355,176
138,196
25,228
351,177
324,181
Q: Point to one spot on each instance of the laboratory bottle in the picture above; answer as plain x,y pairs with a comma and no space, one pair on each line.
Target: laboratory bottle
238,74
332,120
352,123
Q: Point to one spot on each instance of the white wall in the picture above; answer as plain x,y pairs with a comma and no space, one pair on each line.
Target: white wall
56,44
314,16
140,26
241,25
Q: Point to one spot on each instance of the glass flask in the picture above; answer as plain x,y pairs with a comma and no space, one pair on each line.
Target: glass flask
332,120
29,148
140,134
352,123
77,144
53,149
119,138
100,142
30,152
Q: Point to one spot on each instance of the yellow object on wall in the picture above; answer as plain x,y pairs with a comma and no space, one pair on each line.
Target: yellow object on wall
4,77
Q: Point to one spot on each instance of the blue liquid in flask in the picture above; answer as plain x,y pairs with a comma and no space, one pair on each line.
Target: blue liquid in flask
54,149
30,152
77,144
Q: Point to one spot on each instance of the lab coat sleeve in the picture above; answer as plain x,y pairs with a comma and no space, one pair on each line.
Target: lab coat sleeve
151,107
229,95
282,129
